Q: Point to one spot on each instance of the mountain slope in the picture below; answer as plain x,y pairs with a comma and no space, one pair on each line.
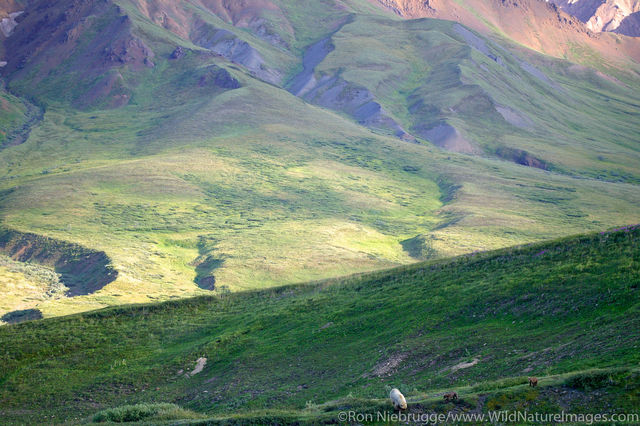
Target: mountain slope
614,15
211,146
479,323
536,24
462,92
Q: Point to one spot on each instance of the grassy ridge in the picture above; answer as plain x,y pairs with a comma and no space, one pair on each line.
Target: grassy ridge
544,309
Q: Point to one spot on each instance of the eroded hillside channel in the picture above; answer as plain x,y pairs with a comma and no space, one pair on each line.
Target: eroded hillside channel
82,270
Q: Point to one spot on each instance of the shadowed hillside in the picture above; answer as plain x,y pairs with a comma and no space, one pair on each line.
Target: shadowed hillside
478,323
82,271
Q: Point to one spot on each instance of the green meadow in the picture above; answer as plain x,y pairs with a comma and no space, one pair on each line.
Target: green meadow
479,324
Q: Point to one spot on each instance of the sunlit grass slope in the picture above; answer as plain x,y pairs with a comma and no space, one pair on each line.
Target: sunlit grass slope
477,323
253,187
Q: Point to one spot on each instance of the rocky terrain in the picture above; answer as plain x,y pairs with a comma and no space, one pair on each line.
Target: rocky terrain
620,16
537,24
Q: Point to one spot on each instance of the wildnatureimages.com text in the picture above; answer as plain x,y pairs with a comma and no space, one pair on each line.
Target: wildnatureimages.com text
489,417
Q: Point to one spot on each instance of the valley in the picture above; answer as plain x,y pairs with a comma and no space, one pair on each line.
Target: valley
277,211
208,148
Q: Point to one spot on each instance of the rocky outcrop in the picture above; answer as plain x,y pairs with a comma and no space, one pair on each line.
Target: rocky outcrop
218,77
477,43
9,23
263,18
88,38
178,53
333,92
447,137
605,15
227,44
128,51
251,14
195,26
50,33
540,25
521,157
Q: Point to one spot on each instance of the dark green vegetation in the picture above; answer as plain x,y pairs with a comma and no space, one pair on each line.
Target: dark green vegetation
170,141
479,324
143,412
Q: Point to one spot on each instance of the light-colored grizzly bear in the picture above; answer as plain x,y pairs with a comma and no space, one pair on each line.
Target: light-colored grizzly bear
399,403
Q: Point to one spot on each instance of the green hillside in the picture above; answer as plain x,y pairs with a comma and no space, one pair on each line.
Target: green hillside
16,118
478,324
197,168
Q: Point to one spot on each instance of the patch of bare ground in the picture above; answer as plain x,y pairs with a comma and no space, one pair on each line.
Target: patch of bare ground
200,363
387,366
464,365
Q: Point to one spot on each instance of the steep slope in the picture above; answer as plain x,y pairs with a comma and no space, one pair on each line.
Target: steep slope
466,93
10,10
630,25
536,24
16,118
82,44
182,152
16,115
619,16
479,324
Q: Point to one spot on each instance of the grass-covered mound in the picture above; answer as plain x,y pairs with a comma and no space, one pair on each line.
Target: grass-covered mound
143,412
548,309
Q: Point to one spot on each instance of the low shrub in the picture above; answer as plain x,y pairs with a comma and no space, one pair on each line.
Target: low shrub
590,381
134,413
